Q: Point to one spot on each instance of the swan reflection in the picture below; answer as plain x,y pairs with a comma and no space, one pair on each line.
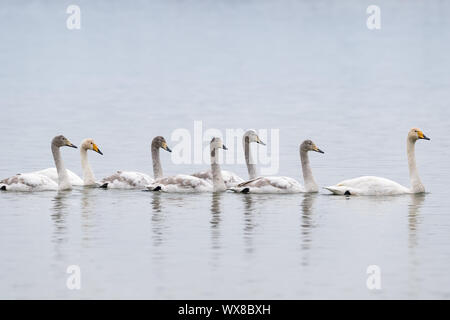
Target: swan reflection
215,219
157,219
307,224
413,217
59,215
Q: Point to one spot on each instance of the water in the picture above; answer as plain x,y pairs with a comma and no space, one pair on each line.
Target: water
310,69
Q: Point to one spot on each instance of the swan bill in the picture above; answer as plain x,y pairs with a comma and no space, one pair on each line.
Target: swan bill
165,146
96,149
318,150
70,144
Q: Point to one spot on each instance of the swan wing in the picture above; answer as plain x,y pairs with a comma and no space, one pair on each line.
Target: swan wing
51,173
181,183
28,182
368,185
230,178
270,185
126,180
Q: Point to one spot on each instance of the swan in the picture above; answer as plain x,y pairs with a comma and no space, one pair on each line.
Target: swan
75,180
376,186
230,178
187,183
37,182
133,179
284,184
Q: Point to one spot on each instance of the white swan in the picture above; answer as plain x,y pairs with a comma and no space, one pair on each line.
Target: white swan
75,180
284,184
186,183
376,186
133,179
38,182
230,178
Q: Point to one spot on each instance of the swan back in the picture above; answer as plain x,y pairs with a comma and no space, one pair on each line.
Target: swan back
368,185
28,182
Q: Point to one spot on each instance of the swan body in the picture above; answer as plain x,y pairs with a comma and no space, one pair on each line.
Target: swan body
369,186
126,180
181,183
133,179
270,185
38,182
75,180
189,183
376,186
52,174
230,178
28,182
282,184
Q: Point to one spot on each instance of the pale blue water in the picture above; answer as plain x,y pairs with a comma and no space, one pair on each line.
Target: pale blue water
311,69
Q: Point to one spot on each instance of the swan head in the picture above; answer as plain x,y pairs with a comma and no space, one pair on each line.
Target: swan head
216,143
160,142
61,141
308,145
253,137
415,134
89,144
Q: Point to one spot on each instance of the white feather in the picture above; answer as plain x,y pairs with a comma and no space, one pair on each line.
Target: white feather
28,182
53,175
369,186
127,180
181,183
230,178
270,185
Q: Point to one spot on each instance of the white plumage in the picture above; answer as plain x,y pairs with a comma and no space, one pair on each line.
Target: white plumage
281,184
52,174
181,183
369,186
270,185
377,186
230,178
126,180
39,182
28,182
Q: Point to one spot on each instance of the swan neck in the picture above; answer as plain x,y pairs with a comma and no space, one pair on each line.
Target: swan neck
218,183
251,167
310,183
88,175
63,177
416,183
157,169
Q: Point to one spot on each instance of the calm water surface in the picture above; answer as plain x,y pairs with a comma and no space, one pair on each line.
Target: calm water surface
310,69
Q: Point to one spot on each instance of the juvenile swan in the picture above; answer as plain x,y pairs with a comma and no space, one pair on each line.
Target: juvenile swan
376,186
186,183
75,180
133,179
284,184
38,182
230,178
